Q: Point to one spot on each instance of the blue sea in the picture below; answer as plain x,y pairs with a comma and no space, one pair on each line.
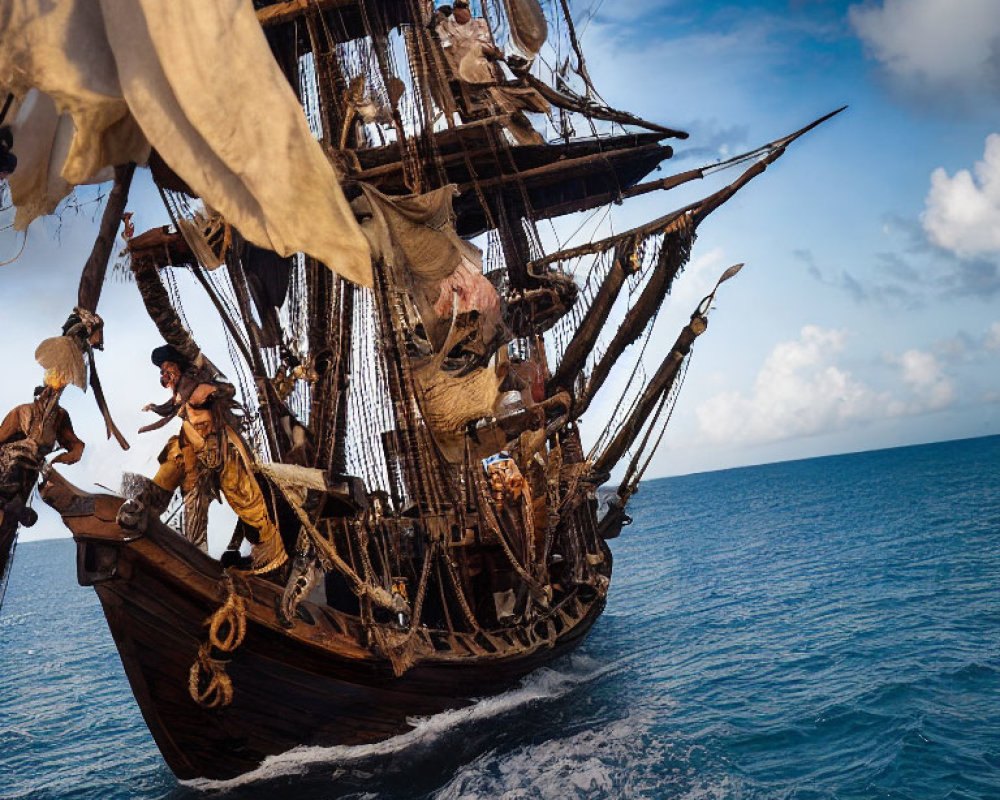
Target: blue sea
827,628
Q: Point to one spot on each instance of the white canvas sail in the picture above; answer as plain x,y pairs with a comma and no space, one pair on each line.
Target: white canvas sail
199,81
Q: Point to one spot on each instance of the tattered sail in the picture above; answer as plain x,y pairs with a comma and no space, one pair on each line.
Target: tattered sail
196,81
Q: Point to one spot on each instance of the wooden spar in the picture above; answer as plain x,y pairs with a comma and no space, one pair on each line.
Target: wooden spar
292,9
617,196
92,280
323,303
582,343
633,474
269,398
658,386
560,166
702,208
371,174
198,271
673,181
338,453
673,256
594,111
102,402
157,303
581,63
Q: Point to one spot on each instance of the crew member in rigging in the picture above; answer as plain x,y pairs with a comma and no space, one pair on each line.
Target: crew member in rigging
473,59
28,434
208,455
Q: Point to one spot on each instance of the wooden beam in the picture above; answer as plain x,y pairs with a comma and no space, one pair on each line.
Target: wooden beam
292,9
568,165
92,278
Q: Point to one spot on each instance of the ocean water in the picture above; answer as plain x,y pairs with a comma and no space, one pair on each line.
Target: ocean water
827,628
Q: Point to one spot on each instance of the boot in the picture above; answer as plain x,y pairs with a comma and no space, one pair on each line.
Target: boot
267,555
150,499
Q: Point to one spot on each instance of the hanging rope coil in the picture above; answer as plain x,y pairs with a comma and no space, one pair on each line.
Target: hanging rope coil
208,682
228,626
210,672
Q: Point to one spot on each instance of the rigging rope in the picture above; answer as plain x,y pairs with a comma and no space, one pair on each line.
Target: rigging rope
24,241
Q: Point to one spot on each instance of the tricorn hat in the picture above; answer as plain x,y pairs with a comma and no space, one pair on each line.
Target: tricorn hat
167,352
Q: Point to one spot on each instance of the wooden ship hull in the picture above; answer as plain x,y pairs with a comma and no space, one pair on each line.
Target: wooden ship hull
316,683
8,538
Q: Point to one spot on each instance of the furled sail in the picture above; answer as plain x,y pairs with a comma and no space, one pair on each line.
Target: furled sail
528,27
199,80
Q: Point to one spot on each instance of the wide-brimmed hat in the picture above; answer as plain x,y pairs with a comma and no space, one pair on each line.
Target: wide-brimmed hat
167,352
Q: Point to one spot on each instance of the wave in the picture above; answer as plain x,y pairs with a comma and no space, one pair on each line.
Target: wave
427,733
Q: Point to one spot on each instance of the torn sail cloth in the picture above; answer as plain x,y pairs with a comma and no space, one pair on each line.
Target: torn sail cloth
528,28
415,235
241,142
448,403
43,144
414,232
465,47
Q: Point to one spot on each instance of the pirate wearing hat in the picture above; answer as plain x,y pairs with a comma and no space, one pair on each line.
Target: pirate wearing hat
208,456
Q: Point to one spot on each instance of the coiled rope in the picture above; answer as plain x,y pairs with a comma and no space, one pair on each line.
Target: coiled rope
227,628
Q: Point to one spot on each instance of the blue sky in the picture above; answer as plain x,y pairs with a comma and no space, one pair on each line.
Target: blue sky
867,315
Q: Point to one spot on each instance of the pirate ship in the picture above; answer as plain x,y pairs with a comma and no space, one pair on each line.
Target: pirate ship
407,402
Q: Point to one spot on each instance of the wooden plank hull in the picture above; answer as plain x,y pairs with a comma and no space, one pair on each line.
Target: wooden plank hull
308,685
13,514
8,538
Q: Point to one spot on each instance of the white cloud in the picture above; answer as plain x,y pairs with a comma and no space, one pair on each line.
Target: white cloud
992,341
922,373
798,392
963,212
935,46
802,390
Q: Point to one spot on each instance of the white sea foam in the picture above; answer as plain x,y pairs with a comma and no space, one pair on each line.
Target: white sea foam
541,685
621,759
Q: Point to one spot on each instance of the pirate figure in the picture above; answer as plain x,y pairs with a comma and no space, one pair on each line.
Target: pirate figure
478,82
28,434
207,457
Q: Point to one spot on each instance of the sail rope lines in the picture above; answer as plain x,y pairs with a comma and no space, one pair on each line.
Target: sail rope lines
20,252
633,474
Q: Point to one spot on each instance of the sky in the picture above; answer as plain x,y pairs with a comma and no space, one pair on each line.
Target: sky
867,315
